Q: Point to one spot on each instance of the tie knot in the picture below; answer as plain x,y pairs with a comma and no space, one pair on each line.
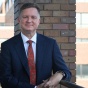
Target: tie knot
30,42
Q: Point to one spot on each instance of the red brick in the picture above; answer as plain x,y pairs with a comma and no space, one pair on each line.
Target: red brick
51,20
51,33
72,39
68,7
69,59
60,13
68,20
68,33
46,13
45,26
40,31
41,20
73,72
72,53
64,52
61,39
68,46
73,13
73,26
52,7
23,1
41,6
72,1
43,1
72,66
60,1
73,79
60,26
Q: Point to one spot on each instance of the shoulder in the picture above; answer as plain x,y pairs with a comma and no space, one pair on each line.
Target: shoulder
46,38
11,40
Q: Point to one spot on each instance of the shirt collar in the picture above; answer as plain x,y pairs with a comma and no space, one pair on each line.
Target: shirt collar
25,39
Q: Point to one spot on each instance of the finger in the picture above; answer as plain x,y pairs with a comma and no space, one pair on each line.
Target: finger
47,84
51,86
46,80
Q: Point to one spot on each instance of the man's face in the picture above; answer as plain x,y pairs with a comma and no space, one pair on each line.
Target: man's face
29,20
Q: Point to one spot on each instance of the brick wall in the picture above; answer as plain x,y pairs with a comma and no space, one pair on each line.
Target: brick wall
58,22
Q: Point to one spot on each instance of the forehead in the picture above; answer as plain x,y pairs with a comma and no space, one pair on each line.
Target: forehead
31,11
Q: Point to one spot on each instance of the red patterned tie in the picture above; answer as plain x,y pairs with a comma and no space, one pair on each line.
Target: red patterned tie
31,64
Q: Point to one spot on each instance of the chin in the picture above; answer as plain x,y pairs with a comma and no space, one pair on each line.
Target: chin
29,29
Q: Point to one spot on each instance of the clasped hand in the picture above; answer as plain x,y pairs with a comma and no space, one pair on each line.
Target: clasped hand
52,82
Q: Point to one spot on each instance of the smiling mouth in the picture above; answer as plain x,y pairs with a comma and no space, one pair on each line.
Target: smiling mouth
29,25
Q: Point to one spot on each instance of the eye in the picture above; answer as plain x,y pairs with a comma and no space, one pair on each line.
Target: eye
34,17
25,17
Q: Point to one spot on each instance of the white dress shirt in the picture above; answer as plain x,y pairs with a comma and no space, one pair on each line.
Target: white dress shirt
34,39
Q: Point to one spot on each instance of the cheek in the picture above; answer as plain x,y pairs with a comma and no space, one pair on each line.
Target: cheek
22,22
38,22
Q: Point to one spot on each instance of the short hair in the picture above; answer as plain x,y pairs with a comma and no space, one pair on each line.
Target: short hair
30,5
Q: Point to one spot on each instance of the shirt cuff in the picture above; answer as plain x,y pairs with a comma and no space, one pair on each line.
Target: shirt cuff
61,73
35,87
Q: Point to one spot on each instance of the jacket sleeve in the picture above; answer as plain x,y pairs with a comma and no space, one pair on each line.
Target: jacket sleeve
58,62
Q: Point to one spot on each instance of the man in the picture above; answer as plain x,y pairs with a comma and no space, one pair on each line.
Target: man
18,71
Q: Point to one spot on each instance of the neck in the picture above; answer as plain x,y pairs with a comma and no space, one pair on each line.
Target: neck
29,34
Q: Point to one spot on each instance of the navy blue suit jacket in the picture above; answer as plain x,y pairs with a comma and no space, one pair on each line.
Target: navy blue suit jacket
14,64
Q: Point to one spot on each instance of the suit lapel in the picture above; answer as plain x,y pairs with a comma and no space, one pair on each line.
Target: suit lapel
40,49
21,52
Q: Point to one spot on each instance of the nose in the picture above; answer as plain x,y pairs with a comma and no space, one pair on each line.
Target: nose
29,19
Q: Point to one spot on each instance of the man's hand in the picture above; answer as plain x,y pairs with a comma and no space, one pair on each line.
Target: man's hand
53,81
40,86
